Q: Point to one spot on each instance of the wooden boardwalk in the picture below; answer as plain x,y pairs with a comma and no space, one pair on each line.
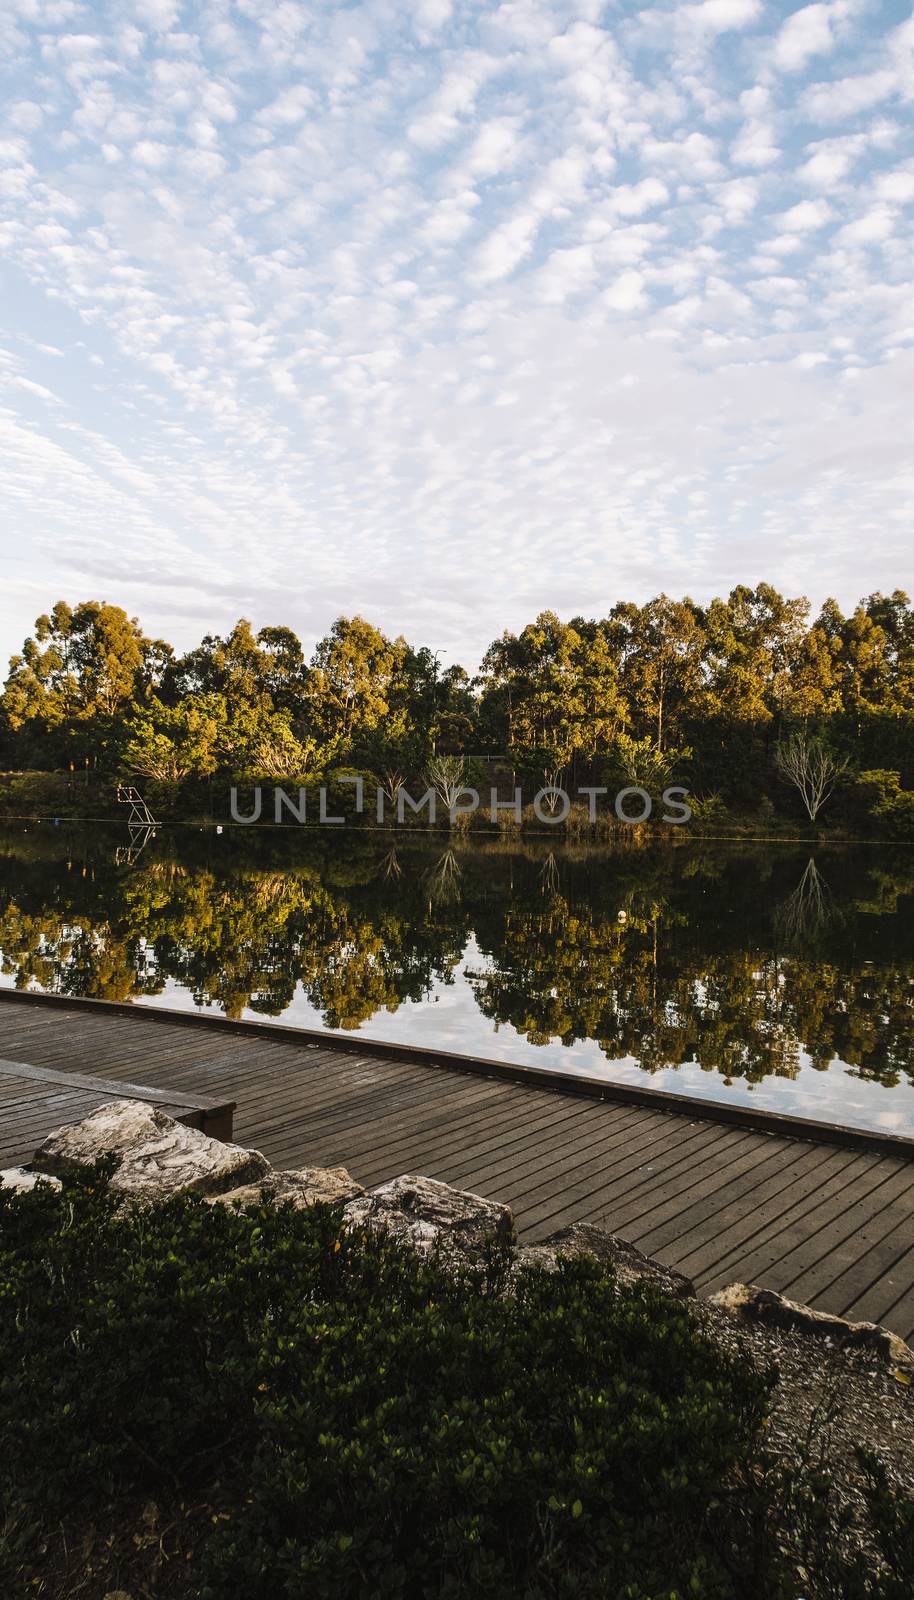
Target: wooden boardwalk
33,1100
827,1224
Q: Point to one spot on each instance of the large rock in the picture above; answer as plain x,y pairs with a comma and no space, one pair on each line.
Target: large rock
430,1214
751,1304
157,1156
23,1180
304,1186
628,1264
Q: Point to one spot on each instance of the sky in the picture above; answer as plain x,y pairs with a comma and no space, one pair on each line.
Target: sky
445,313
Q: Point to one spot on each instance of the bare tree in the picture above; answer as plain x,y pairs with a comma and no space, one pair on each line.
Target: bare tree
552,799
549,876
390,782
390,867
806,761
446,775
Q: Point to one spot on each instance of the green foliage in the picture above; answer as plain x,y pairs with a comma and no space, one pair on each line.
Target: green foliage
362,1422
639,762
167,743
319,1414
885,802
628,693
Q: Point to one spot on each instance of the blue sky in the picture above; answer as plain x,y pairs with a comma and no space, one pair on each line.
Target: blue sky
447,312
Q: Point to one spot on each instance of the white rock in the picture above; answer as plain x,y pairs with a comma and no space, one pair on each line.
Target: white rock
303,1186
752,1304
158,1156
20,1178
429,1213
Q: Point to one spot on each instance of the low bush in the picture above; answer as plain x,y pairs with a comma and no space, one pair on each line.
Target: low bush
201,1401
878,793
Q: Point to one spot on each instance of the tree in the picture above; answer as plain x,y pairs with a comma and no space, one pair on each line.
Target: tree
751,643
235,668
558,686
641,763
446,775
660,647
168,743
349,681
81,663
805,761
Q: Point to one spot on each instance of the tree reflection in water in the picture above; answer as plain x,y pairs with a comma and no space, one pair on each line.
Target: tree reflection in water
740,960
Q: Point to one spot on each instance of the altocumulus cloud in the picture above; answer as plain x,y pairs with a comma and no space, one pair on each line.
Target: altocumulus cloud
447,311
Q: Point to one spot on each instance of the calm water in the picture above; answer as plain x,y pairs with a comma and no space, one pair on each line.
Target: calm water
757,974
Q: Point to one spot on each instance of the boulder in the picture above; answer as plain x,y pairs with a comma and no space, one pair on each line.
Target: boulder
304,1186
628,1264
22,1179
751,1304
158,1156
430,1214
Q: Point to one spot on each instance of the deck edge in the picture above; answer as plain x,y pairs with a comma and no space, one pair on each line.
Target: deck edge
774,1123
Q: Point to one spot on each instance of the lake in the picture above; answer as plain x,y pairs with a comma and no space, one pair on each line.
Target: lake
760,974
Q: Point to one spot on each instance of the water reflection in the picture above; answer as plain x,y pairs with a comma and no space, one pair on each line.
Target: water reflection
713,971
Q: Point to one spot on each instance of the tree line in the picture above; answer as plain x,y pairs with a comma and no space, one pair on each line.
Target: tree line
719,695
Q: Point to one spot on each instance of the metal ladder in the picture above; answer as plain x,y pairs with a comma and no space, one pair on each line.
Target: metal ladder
139,810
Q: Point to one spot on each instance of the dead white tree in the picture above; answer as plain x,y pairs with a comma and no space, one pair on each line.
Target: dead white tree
390,783
552,785
446,775
806,761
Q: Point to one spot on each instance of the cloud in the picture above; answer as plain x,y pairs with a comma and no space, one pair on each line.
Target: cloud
875,227
626,293
807,214
507,247
806,33
449,312
158,14
719,16
847,97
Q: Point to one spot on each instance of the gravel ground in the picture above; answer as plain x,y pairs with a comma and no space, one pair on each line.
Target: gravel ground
829,1400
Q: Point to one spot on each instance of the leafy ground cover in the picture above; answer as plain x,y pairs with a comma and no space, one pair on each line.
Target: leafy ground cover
206,1402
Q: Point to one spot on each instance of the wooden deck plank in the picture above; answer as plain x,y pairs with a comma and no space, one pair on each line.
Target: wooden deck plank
697,1217
898,1312
788,1218
859,1250
538,1142
636,1170
719,1200
812,1238
876,1280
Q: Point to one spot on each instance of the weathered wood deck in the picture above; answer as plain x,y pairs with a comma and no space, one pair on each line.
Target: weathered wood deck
41,1098
827,1223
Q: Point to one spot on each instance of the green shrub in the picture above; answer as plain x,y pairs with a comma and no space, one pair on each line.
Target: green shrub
311,1413
884,801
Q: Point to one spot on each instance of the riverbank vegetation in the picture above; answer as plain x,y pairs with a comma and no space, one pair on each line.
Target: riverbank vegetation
200,1401
772,718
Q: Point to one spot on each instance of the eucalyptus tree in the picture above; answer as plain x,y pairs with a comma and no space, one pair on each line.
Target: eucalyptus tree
350,681
660,648
83,670
556,686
